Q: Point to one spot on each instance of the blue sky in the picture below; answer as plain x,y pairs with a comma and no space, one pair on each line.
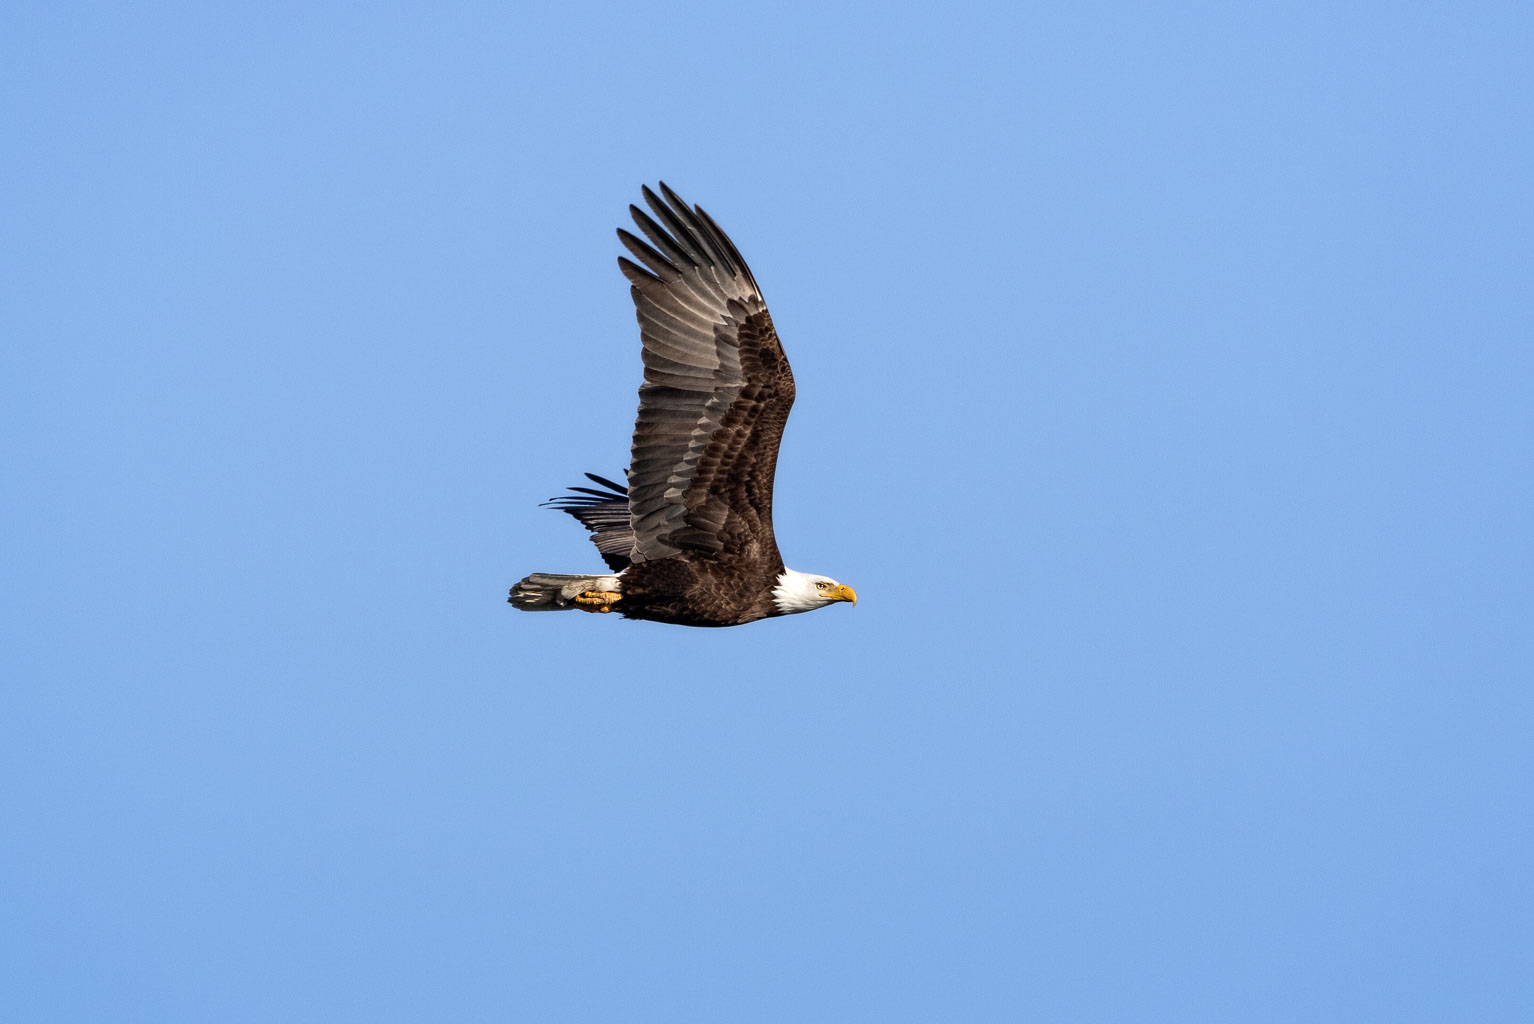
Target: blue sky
1165,389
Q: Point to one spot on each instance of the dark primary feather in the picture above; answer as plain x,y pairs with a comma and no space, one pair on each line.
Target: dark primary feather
606,514
716,394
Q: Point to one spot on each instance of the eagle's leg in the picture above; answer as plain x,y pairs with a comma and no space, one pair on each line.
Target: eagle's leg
596,600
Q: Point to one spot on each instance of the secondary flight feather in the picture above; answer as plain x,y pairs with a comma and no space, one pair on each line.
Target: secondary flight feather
688,538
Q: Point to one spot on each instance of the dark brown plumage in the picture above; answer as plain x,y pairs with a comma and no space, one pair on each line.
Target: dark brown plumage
691,533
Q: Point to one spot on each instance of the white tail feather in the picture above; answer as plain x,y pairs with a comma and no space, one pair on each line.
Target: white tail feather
551,592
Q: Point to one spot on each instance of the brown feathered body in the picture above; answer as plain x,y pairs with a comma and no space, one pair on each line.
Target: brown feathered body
715,590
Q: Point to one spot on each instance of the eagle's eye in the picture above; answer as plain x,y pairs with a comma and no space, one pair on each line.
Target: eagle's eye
821,585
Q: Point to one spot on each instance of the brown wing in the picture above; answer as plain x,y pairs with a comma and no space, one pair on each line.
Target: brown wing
603,510
716,391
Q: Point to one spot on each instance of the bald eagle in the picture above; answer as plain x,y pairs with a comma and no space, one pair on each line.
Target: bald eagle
688,538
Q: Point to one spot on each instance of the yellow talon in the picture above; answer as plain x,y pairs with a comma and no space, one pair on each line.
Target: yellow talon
597,600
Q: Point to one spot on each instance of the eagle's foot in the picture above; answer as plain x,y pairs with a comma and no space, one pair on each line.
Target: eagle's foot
596,600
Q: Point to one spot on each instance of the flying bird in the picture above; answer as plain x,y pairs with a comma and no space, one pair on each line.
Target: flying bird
688,538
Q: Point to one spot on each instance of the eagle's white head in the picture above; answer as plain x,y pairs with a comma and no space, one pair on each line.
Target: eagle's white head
804,591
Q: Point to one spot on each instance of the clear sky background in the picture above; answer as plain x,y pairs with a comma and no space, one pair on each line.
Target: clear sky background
1166,390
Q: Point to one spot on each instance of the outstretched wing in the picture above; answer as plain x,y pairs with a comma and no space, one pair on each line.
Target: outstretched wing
605,513
716,393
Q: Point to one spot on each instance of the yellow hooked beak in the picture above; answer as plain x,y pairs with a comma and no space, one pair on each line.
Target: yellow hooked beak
843,593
